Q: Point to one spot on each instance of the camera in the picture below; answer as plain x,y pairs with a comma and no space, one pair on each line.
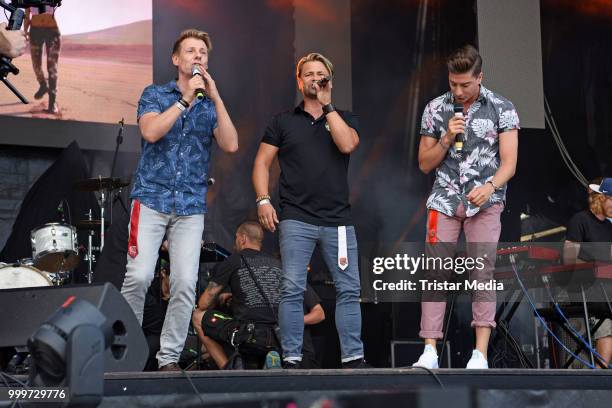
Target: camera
16,19
14,23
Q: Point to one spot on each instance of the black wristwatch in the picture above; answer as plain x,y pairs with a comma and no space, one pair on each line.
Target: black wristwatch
329,108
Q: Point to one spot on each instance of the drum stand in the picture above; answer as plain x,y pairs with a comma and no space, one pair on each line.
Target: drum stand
106,187
102,203
62,275
89,257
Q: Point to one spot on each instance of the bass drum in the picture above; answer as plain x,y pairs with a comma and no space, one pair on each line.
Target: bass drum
22,276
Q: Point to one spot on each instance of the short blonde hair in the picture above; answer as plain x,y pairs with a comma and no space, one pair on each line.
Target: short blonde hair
192,33
314,56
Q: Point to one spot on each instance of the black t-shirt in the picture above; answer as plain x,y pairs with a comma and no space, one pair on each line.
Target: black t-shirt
584,227
247,302
313,180
311,299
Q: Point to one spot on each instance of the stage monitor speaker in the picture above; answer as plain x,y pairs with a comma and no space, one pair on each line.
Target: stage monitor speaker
22,311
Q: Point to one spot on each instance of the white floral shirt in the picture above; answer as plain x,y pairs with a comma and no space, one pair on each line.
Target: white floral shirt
458,173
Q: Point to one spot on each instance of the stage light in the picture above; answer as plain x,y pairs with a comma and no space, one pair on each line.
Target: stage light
68,351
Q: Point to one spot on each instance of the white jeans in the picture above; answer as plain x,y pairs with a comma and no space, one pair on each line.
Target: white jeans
184,234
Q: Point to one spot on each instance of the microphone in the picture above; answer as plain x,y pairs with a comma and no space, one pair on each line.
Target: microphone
210,181
323,81
198,92
458,109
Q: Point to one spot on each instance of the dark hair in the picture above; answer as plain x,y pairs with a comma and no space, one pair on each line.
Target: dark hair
463,60
252,230
191,33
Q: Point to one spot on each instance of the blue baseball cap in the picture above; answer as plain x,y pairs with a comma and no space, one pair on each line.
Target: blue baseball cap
604,188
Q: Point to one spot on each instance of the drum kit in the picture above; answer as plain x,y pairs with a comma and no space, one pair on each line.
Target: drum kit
55,249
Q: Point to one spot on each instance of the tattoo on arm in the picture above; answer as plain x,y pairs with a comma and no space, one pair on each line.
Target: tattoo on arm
209,298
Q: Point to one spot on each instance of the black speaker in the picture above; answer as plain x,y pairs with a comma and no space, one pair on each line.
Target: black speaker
22,311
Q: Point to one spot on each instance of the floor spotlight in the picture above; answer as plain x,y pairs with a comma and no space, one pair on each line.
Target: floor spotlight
68,351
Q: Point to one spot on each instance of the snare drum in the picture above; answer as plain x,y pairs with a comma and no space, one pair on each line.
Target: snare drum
22,276
54,247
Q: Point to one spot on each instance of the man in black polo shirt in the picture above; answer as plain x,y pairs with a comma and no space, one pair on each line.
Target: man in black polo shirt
313,143
593,226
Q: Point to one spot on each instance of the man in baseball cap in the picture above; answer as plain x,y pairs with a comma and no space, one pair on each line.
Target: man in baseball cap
604,188
588,239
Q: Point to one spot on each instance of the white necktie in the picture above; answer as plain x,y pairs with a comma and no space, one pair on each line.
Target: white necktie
342,250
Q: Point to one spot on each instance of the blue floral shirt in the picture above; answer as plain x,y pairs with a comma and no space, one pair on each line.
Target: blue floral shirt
172,172
490,115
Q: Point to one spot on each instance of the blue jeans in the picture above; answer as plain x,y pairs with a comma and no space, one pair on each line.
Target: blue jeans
297,242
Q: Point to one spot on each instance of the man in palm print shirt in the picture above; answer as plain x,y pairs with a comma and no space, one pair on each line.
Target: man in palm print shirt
169,195
468,193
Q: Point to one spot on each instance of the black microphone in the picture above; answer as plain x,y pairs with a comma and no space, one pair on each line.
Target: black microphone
323,81
458,109
198,92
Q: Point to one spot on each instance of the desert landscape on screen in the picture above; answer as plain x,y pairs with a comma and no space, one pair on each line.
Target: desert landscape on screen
101,76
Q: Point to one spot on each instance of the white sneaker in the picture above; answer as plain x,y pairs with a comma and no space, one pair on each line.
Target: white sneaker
429,358
478,361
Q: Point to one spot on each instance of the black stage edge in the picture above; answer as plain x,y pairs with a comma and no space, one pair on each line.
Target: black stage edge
456,388
245,381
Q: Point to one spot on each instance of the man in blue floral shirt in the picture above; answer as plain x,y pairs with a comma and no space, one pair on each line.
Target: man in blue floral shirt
469,191
169,195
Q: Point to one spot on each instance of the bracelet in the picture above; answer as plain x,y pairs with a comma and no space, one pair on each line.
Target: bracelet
263,202
183,102
445,146
495,188
262,197
179,105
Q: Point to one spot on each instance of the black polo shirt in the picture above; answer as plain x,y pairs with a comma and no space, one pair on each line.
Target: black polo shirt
313,180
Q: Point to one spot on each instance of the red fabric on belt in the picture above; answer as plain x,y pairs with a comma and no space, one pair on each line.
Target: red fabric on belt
432,226
133,240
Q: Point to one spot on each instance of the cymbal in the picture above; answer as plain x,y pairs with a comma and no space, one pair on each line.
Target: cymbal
90,224
100,183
